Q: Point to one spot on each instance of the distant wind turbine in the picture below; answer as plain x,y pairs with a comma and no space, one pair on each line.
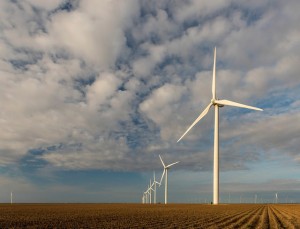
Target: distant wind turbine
154,189
146,197
165,172
149,191
216,103
149,194
11,197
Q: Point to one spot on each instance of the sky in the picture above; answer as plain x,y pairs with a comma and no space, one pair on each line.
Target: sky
92,92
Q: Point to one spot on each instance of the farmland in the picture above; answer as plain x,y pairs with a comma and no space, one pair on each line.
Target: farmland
149,216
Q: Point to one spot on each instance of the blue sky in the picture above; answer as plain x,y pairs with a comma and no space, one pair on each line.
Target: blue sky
92,92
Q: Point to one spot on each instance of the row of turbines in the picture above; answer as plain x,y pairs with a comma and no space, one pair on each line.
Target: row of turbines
152,187
216,103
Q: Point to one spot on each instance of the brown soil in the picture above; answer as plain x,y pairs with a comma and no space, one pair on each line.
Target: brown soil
149,216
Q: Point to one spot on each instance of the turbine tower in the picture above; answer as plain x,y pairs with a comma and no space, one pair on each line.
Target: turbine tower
216,103
149,191
11,197
165,172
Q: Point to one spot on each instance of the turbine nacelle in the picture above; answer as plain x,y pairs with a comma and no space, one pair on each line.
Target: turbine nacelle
215,102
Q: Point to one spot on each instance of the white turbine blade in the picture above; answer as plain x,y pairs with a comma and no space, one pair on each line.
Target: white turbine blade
197,120
154,177
168,166
162,161
162,176
152,184
157,183
234,104
214,76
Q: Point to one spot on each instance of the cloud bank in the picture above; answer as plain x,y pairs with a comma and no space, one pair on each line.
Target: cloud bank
109,85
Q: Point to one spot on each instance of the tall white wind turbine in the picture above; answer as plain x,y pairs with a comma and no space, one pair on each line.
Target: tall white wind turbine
165,172
216,103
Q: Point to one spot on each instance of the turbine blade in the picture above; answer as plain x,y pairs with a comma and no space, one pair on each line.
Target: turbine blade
168,166
197,120
152,184
234,104
162,176
214,76
162,161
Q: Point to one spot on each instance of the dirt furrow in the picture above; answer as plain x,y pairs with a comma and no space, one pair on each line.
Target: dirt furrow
231,219
264,220
213,217
286,217
254,220
275,221
243,221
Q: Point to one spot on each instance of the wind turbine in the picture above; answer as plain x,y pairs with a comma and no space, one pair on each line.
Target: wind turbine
154,190
11,197
216,103
166,168
146,197
276,198
149,194
149,191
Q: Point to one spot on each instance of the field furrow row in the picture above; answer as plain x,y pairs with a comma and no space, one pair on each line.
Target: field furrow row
231,219
287,219
275,220
254,220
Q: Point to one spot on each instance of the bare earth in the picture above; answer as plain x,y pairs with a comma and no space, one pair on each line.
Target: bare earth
149,216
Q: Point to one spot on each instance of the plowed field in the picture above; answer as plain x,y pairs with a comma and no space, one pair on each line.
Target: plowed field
149,216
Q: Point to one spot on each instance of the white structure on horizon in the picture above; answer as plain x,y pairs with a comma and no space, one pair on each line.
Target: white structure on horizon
11,197
165,172
216,103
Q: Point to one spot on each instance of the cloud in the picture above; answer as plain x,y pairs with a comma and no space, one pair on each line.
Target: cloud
114,84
